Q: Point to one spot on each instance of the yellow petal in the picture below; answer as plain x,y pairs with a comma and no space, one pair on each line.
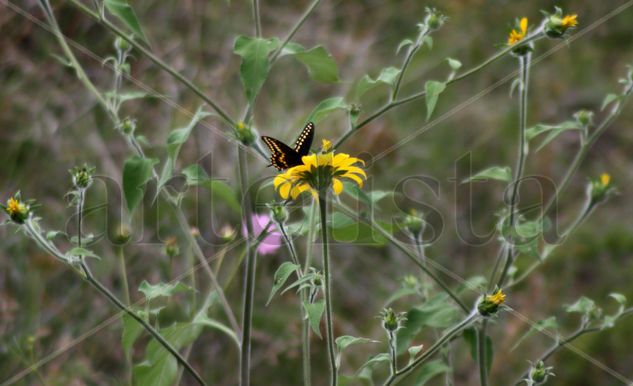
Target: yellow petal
354,177
356,170
284,190
524,25
337,185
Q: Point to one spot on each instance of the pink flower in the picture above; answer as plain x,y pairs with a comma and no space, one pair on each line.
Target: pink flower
271,243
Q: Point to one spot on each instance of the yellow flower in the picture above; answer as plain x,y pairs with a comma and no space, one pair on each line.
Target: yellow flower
318,173
16,209
569,21
326,145
496,298
605,178
516,36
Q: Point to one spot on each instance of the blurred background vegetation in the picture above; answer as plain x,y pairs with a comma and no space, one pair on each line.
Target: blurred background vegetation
49,123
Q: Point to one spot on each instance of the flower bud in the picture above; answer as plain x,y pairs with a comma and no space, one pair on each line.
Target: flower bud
556,24
539,373
278,213
600,189
122,233
584,118
392,321
414,223
490,304
82,176
244,134
128,126
434,19
17,209
227,232
121,44
171,247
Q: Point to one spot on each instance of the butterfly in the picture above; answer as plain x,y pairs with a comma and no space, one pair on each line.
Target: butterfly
283,156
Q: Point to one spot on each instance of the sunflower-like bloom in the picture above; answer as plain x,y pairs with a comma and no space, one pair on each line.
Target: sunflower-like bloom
491,303
516,36
318,173
557,24
570,21
17,209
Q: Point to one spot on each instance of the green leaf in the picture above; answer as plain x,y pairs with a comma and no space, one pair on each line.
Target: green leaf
315,312
202,319
431,370
175,140
454,64
387,76
50,235
131,331
552,130
196,176
414,351
124,12
137,171
499,173
375,360
437,312
584,306
153,291
608,99
255,63
621,299
326,107
160,368
433,90
281,275
404,43
345,341
83,253
320,64
542,325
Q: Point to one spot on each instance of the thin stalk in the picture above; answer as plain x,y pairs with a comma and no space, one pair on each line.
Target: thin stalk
85,272
79,71
104,291
249,272
294,30
394,103
159,62
305,325
407,60
481,354
524,62
447,337
305,339
257,18
123,273
393,352
327,289
410,254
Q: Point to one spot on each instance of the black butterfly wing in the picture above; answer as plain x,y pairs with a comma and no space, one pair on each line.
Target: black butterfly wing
282,156
304,141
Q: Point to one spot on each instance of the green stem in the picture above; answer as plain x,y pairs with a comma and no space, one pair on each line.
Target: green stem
294,30
257,19
159,62
524,61
393,352
406,371
305,325
395,103
79,71
405,65
327,289
410,254
104,291
85,272
481,354
249,272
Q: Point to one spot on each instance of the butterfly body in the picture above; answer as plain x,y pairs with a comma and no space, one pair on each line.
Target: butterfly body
283,156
